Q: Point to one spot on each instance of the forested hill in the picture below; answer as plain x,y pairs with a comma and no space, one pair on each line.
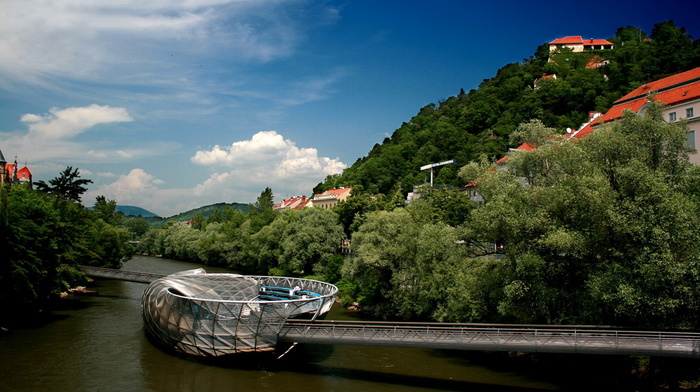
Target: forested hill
469,125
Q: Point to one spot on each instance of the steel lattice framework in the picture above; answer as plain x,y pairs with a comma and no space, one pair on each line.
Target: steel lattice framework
554,339
213,315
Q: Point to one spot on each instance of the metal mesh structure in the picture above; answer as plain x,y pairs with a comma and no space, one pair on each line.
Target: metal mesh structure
213,315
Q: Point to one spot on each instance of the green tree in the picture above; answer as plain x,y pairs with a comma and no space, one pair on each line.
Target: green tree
311,240
671,50
397,264
262,213
67,186
107,211
137,227
601,231
352,211
213,248
109,245
441,205
29,262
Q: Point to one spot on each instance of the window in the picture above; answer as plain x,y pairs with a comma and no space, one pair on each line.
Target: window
689,112
691,139
672,116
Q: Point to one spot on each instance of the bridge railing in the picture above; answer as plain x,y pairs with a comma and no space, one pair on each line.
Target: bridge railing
496,338
110,273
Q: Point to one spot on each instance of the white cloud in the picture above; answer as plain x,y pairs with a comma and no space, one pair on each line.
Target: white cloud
270,156
266,160
52,137
263,147
66,123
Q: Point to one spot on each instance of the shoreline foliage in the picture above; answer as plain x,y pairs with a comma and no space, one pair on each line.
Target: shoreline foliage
45,234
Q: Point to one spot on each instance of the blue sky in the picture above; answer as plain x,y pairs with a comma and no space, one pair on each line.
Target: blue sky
171,105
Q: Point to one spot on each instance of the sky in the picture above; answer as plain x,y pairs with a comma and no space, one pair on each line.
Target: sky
170,105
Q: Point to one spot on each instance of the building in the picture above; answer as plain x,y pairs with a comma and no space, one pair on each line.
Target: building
578,44
679,93
331,197
294,203
11,174
536,86
597,62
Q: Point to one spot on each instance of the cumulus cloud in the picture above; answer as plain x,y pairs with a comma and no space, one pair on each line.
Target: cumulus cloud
269,153
267,159
66,123
263,146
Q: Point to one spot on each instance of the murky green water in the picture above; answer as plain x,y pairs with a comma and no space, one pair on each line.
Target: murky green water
97,343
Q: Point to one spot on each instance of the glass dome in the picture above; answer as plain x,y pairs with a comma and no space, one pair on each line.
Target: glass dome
213,315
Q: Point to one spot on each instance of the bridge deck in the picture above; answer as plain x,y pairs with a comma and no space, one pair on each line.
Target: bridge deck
556,339
131,276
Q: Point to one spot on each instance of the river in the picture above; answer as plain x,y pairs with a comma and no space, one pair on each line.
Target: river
97,343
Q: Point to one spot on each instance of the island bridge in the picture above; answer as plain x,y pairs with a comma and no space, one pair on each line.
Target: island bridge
181,316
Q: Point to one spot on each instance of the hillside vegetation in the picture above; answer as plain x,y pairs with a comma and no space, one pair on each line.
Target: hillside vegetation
470,125
194,214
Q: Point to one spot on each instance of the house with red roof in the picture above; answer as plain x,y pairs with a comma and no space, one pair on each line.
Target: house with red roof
294,203
578,44
330,197
538,81
679,93
522,147
10,173
597,62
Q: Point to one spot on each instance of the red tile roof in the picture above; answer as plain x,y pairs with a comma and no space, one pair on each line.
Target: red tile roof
672,90
596,42
302,204
583,132
336,192
596,62
295,202
522,147
576,39
502,160
662,84
615,112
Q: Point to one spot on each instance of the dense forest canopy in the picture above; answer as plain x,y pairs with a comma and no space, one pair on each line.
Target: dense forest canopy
470,125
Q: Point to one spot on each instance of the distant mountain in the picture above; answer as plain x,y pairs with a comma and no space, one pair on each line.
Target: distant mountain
136,211
205,211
